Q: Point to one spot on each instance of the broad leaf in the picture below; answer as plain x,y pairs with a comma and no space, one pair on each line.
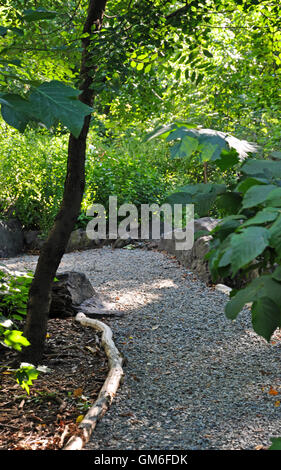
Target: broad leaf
228,159
247,183
262,168
276,443
202,195
16,111
38,14
263,286
49,103
227,226
277,274
274,198
54,101
275,235
257,195
264,216
242,297
266,317
229,202
179,198
247,245
184,148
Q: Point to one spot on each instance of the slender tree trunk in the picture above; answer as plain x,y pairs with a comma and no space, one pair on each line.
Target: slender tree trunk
205,173
56,243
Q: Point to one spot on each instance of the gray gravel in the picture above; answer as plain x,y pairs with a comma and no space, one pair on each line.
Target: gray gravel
193,379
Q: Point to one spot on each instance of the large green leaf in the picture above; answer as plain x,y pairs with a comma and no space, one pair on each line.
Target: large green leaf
209,151
165,131
227,226
201,195
247,245
277,274
257,195
230,202
248,182
262,168
184,148
54,101
276,443
211,143
179,198
274,198
263,286
227,159
38,14
16,111
49,103
266,317
266,215
242,297
275,235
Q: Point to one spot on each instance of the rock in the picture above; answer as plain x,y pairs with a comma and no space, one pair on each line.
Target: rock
11,238
73,293
33,240
224,289
205,223
79,241
193,258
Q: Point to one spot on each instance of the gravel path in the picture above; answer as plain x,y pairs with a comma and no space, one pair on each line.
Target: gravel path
193,379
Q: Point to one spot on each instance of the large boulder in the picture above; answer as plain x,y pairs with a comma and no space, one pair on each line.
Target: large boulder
72,292
11,238
79,240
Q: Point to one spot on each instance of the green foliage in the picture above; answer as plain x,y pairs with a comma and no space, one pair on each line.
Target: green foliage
11,338
14,289
32,173
47,104
276,443
134,171
210,145
202,195
221,150
25,375
249,242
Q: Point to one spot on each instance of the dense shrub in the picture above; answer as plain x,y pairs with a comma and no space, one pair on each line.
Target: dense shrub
33,165
32,171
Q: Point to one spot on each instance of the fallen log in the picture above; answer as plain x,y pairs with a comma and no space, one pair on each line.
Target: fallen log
109,389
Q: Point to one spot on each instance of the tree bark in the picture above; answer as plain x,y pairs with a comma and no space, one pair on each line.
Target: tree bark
205,173
54,248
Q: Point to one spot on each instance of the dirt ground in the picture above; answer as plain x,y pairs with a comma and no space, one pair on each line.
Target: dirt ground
58,400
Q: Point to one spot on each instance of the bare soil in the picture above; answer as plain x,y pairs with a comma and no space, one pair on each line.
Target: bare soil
57,401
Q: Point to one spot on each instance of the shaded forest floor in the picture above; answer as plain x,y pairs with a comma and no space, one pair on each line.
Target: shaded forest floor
46,418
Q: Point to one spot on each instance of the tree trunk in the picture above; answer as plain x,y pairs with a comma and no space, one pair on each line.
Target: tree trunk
205,173
56,243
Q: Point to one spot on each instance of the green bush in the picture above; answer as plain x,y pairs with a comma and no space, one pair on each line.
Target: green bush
33,166
134,171
250,240
32,172
14,289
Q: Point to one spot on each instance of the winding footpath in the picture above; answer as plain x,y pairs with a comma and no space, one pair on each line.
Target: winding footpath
193,379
